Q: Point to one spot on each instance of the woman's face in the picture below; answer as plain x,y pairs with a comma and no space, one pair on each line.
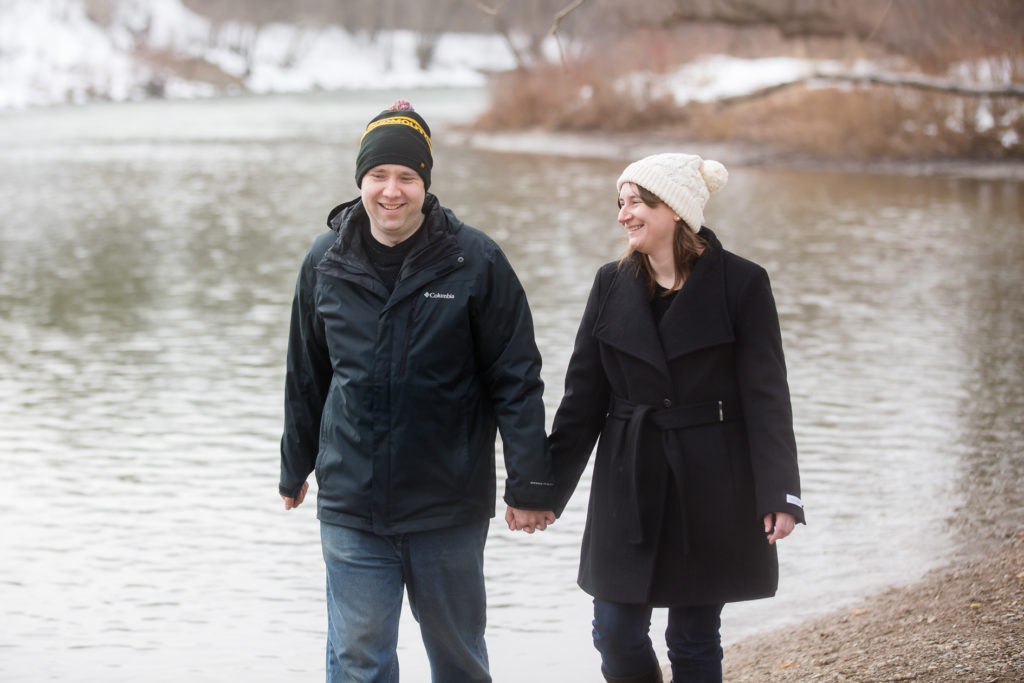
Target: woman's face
649,229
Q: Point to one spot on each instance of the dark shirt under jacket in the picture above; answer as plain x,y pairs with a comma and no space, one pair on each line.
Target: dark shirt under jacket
387,261
661,302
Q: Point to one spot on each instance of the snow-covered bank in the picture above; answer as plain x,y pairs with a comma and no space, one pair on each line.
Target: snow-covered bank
56,51
52,52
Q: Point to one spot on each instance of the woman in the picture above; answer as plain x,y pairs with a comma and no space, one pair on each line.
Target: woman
678,367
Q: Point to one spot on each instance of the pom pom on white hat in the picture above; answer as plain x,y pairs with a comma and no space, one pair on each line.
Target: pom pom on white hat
683,181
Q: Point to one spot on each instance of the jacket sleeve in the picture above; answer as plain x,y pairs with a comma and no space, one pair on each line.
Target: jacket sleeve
584,406
510,366
767,410
306,383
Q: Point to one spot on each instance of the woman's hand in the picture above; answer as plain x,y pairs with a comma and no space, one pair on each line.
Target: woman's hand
778,525
528,520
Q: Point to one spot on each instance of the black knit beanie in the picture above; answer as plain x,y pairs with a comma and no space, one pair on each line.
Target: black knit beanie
396,136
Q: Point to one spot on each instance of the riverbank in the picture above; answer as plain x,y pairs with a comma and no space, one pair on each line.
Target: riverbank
637,145
963,623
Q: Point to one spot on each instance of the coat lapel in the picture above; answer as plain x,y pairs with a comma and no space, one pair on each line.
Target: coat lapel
699,315
626,322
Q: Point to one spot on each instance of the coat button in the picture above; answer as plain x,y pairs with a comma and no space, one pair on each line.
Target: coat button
667,403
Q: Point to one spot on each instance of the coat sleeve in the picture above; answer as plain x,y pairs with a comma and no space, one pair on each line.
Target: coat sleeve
510,367
584,406
307,380
767,410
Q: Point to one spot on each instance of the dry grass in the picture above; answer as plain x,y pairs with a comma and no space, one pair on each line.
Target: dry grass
576,99
878,123
979,41
189,68
844,122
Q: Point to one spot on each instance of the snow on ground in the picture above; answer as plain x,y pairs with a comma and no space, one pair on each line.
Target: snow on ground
332,58
52,52
717,76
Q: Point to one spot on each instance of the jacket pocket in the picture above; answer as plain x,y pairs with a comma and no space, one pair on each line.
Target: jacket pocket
433,463
717,472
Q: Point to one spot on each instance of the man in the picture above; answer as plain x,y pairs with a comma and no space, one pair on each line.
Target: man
411,343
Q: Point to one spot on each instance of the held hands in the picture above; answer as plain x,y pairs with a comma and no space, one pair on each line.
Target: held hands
295,502
528,520
778,525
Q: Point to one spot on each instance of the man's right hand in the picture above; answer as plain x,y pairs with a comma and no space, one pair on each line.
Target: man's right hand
528,520
295,502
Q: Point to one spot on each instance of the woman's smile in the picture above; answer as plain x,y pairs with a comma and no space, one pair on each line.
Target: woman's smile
649,229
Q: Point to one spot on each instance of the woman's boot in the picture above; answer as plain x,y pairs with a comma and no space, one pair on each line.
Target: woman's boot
651,677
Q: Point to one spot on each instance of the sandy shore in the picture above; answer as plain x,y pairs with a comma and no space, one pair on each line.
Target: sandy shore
964,622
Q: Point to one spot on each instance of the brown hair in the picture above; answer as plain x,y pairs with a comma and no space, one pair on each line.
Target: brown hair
686,249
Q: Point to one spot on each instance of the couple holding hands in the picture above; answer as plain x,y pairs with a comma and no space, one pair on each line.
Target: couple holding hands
411,346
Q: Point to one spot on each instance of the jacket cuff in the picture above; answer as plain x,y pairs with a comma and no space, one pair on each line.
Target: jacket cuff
793,505
541,497
289,492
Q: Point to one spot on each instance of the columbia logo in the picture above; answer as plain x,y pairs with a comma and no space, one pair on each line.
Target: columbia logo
438,295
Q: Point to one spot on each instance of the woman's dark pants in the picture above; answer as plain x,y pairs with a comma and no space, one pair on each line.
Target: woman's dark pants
622,636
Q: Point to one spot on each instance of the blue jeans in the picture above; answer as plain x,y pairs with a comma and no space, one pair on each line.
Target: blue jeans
443,573
622,636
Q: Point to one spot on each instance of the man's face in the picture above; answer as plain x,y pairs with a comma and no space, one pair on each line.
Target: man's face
393,196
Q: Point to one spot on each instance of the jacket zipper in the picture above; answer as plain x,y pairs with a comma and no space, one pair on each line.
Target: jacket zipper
405,345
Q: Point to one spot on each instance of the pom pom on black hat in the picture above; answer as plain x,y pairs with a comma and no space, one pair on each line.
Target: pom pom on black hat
397,135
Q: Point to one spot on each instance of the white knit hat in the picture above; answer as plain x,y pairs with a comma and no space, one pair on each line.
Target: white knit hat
683,181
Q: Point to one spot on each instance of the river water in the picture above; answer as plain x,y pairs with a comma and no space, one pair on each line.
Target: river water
147,257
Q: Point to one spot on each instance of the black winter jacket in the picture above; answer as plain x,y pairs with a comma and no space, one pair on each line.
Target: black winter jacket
394,399
696,435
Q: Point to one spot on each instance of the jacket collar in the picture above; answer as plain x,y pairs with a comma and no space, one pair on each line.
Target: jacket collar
697,318
347,257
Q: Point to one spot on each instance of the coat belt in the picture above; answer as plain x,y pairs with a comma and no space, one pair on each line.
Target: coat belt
668,420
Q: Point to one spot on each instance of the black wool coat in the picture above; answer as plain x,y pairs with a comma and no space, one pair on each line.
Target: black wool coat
696,436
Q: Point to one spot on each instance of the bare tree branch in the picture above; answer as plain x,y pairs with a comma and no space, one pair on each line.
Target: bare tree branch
434,18
493,11
881,19
935,85
915,83
792,18
502,28
562,14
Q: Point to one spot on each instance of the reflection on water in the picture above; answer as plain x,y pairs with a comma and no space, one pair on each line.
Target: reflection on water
147,257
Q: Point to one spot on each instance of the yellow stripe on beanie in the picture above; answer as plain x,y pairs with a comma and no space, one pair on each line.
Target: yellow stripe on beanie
399,120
